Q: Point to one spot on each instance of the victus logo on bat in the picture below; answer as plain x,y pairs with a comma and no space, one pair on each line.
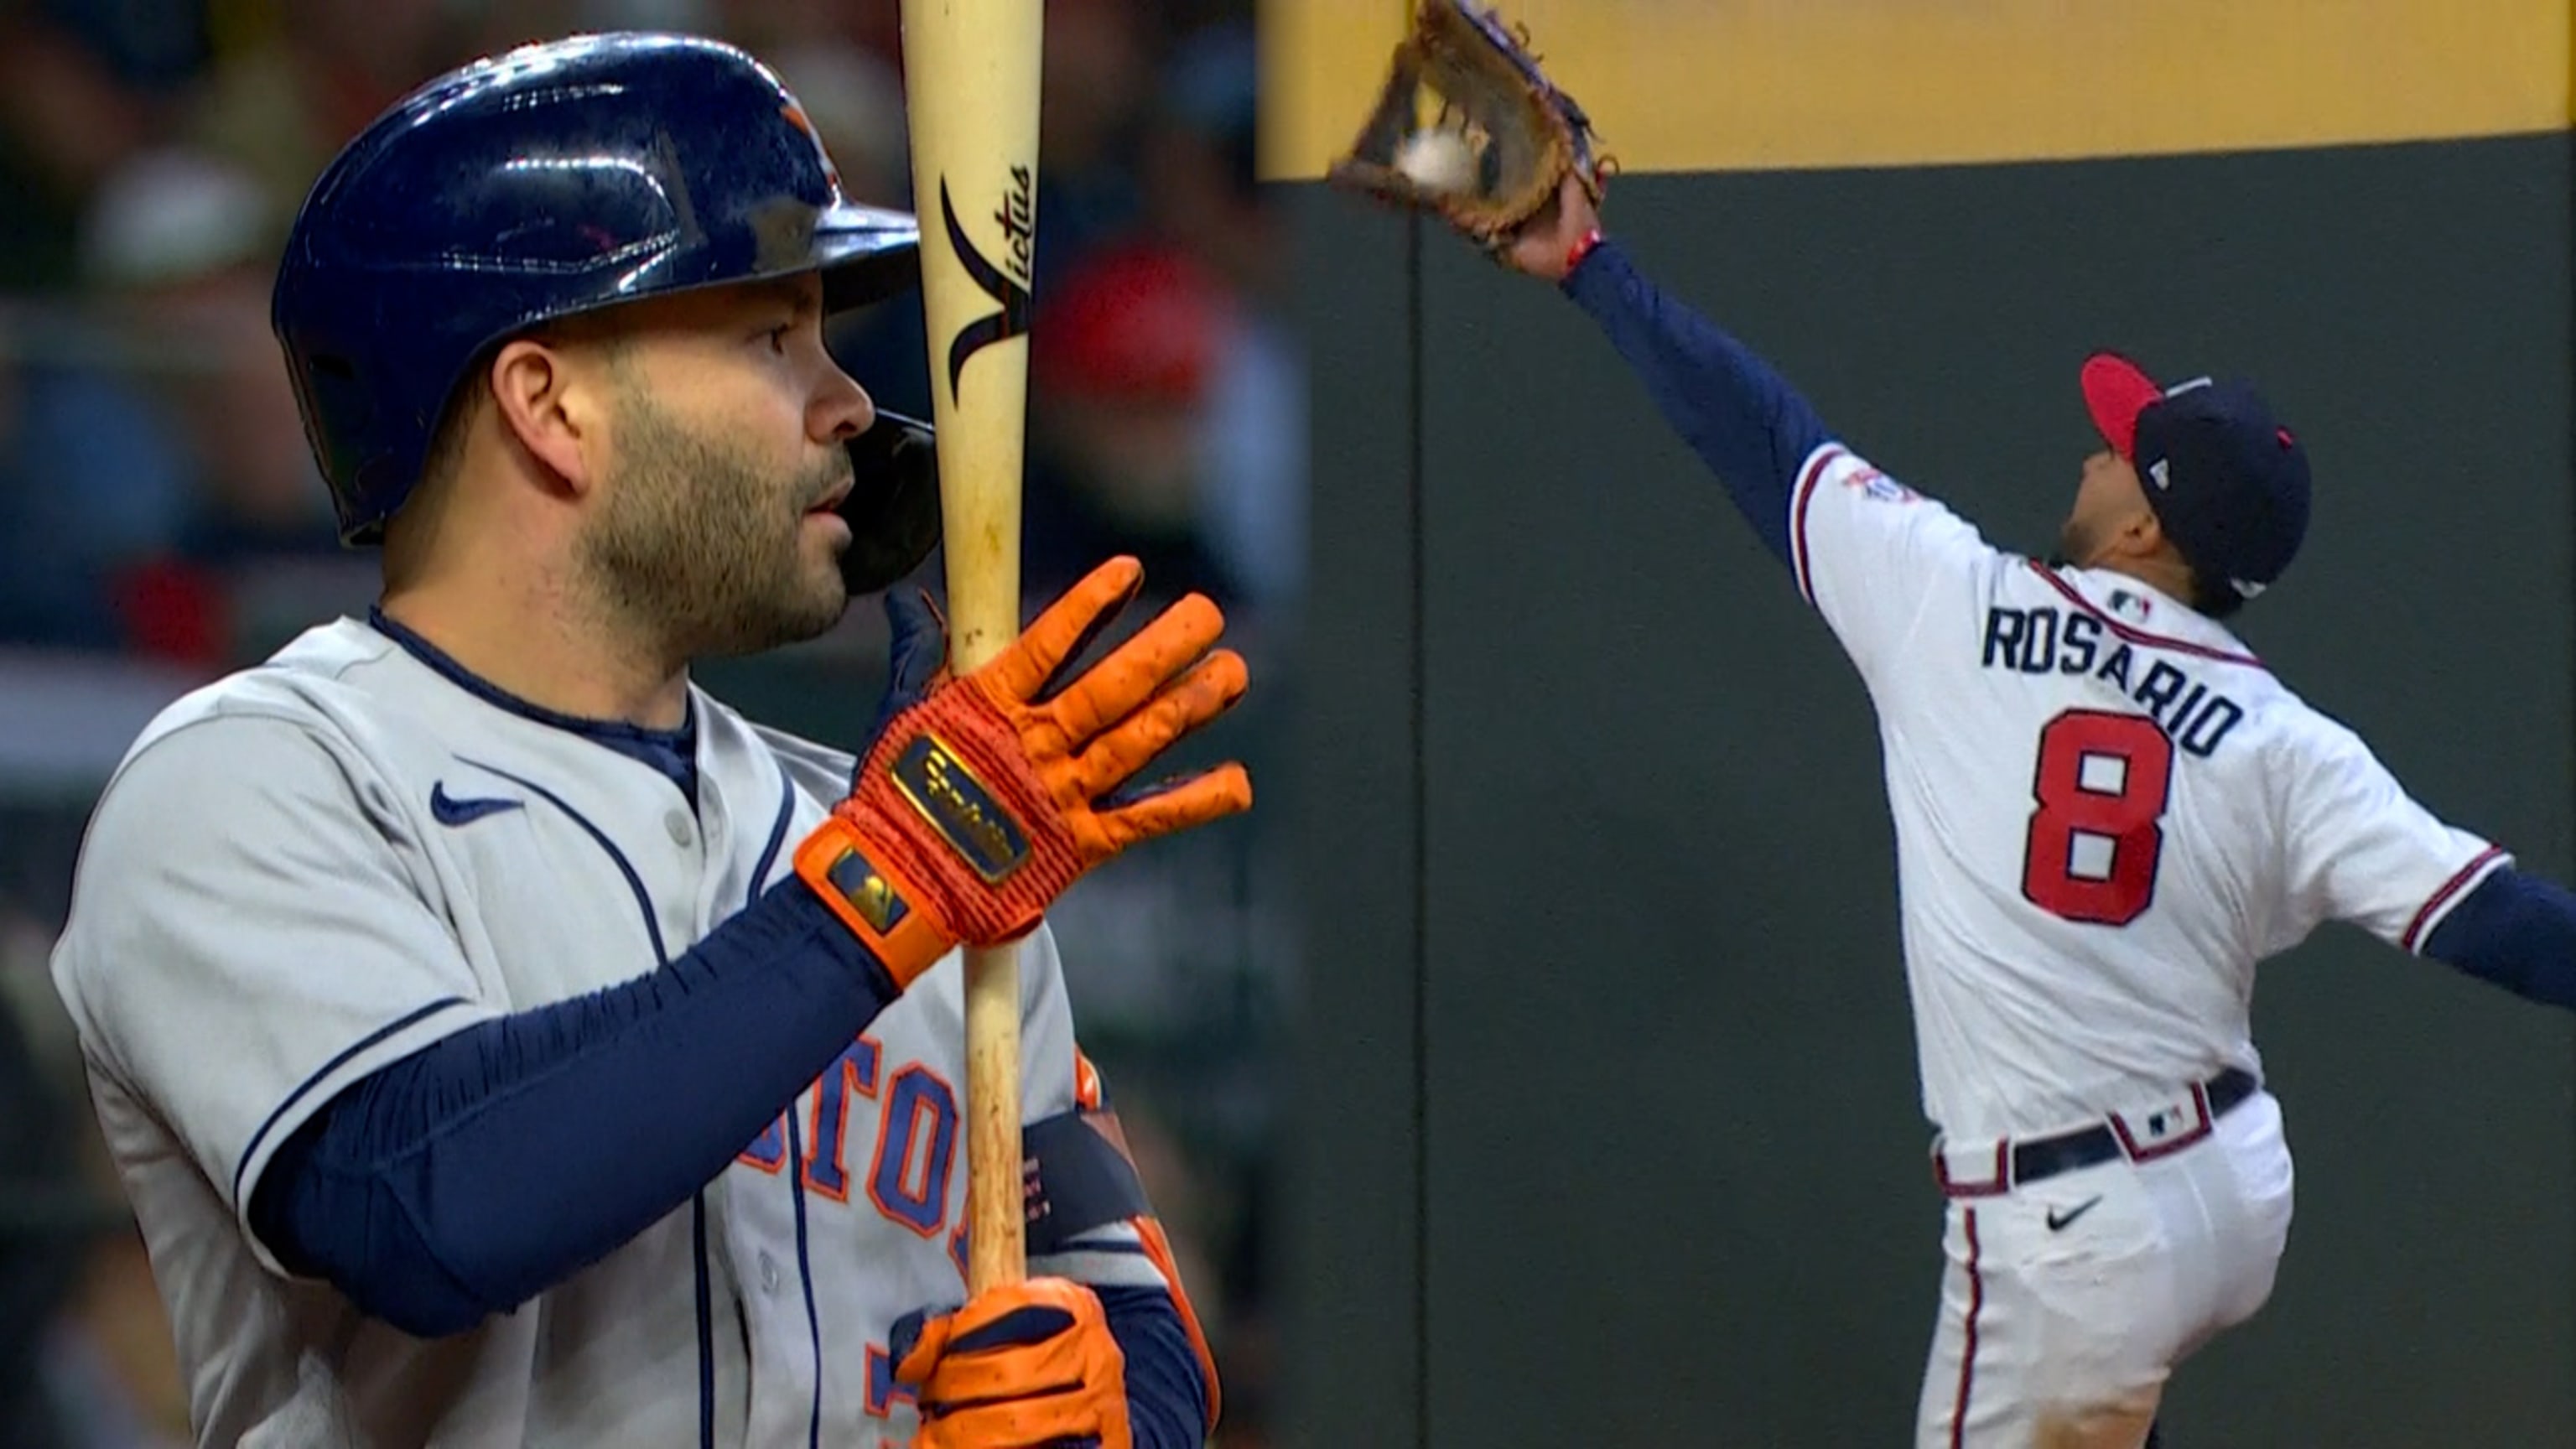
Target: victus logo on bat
1007,284
1018,219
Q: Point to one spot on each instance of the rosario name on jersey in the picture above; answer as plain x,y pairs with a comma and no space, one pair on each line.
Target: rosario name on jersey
2106,809
480,861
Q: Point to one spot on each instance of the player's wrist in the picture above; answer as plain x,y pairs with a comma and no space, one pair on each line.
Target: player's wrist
1582,247
861,881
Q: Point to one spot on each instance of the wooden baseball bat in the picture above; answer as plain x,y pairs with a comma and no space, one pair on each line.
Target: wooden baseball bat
971,76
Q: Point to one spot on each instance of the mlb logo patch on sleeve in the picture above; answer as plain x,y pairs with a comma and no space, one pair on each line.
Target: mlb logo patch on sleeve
1875,484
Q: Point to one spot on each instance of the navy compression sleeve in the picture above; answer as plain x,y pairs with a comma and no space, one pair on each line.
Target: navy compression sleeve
464,1179
1166,1391
1746,423
2516,931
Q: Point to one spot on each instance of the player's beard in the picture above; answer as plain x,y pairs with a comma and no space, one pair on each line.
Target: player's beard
700,546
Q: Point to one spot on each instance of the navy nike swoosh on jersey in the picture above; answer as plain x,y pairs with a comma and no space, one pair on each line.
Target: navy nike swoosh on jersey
451,811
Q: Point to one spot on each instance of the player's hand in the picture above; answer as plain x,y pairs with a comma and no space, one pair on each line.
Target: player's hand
1032,1363
977,806
1546,241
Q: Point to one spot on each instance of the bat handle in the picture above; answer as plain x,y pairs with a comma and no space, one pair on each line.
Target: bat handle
996,1182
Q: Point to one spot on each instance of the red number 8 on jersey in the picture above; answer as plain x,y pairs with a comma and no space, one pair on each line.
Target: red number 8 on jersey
2095,840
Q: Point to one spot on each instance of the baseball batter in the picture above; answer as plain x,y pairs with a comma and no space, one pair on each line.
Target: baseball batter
2107,810
504,1042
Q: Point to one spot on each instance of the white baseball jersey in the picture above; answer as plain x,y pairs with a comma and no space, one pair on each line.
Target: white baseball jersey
310,869
2107,811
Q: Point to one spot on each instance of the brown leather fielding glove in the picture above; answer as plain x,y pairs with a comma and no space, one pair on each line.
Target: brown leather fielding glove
1470,129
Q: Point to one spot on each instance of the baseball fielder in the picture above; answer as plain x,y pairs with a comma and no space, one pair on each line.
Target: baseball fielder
2107,811
503,1041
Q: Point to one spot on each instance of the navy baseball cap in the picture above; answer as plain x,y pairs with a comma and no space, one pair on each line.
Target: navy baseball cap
2227,480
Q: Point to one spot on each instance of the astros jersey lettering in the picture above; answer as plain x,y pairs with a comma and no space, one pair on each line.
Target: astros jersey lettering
2107,810
403,851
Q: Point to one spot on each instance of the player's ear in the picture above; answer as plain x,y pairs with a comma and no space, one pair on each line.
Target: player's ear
551,406
2141,533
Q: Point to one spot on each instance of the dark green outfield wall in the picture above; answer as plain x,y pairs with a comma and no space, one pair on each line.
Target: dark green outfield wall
1609,1130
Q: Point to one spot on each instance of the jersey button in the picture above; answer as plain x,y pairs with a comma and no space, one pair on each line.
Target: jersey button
677,822
769,1272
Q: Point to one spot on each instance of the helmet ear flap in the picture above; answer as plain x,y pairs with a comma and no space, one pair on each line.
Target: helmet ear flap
893,507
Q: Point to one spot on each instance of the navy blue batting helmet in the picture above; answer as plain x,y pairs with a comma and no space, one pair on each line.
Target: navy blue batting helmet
546,181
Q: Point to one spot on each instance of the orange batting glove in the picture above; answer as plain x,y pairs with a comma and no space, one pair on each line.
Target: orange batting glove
976,807
1023,1365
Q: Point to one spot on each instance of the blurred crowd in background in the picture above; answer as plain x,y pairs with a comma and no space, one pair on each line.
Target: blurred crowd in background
161,521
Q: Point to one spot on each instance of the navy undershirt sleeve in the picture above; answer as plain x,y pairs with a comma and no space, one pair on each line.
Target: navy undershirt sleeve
468,1177
2516,931
1167,1395
1746,423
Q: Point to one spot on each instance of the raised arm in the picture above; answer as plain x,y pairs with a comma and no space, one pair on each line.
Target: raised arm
1746,423
1874,557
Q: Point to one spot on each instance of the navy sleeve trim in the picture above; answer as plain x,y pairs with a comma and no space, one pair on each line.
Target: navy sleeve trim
323,1073
2418,928
2515,931
1804,567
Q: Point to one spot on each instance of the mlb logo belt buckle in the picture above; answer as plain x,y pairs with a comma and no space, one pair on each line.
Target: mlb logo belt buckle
2166,1129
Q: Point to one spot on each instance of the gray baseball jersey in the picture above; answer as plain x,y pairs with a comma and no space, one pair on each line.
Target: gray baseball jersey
312,868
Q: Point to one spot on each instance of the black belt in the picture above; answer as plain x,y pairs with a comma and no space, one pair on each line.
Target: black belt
2043,1157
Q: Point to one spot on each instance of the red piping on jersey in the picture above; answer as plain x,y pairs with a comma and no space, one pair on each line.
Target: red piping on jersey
1968,1355
2137,636
2414,936
1807,481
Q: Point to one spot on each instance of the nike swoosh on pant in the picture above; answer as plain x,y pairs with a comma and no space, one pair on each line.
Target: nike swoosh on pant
2056,1222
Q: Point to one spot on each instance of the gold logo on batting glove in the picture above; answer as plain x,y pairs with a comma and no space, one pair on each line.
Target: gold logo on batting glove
869,893
960,807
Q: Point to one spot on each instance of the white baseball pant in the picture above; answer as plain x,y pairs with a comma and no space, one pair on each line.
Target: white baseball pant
2066,1302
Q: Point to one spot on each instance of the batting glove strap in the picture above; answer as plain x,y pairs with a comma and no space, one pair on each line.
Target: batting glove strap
856,879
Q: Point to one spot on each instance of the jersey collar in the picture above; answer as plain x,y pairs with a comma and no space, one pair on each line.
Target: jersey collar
2144,614
617,734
